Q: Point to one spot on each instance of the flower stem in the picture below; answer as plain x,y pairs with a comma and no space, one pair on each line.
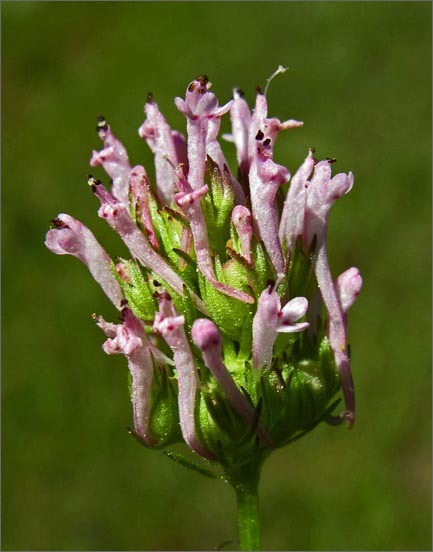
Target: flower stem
248,514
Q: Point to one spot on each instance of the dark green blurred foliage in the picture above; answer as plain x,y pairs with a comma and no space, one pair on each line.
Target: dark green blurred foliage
360,79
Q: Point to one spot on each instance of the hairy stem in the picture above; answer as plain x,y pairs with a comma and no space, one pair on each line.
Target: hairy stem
248,515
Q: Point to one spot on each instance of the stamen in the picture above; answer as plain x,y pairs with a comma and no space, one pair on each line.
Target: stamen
279,71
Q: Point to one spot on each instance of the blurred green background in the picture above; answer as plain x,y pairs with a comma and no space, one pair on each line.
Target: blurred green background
360,79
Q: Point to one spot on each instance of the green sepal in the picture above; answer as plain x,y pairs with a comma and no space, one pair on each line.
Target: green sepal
236,353
296,393
234,242
271,388
328,367
221,430
166,228
298,409
164,411
233,274
264,271
152,205
245,343
227,420
321,418
184,305
228,313
243,264
176,215
137,291
169,229
188,273
301,270
218,204
186,463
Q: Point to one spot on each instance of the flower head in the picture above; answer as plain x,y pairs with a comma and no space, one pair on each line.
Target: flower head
234,331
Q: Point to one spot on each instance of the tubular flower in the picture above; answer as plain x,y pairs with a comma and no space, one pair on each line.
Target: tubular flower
223,279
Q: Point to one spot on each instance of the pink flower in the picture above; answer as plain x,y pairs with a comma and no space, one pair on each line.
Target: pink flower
224,278
129,338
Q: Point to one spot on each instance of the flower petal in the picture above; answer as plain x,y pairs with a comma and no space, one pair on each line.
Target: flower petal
158,135
171,326
71,237
294,310
348,286
114,158
265,324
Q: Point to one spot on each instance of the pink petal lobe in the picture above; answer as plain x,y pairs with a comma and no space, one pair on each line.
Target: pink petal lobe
348,286
71,237
294,310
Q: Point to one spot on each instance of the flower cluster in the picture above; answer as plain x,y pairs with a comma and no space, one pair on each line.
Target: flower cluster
234,330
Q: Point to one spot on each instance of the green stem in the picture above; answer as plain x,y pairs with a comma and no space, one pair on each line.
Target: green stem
248,513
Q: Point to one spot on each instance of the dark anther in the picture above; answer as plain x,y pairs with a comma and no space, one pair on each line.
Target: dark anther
331,160
260,135
123,302
191,87
167,296
92,181
201,91
240,92
267,142
202,79
270,284
259,90
102,127
313,150
149,97
58,223
156,283
101,120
